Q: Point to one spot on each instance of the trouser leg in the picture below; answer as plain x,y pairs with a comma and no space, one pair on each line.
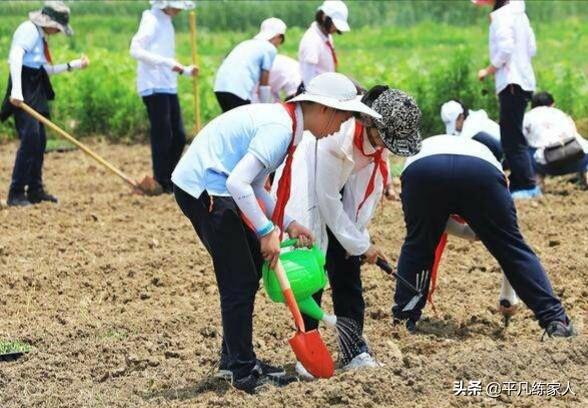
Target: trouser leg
513,102
228,101
488,208
160,136
237,264
178,141
426,191
30,151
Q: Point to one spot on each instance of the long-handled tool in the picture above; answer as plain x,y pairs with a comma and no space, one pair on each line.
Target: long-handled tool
146,186
418,292
195,78
308,347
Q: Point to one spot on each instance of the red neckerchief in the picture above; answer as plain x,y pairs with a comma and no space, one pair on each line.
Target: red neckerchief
333,53
46,51
283,194
379,164
437,261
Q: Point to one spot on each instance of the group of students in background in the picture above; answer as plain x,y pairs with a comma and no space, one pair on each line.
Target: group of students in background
327,150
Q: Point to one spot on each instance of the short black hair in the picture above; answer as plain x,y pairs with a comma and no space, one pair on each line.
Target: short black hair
370,96
542,99
499,4
466,111
327,23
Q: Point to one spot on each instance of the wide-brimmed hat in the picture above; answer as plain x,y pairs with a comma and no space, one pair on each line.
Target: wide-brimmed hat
450,111
177,4
54,14
399,123
338,12
270,27
335,91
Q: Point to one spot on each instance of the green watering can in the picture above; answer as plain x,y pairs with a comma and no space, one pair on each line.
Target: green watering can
305,269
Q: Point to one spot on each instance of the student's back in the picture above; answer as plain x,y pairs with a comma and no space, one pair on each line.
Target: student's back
240,71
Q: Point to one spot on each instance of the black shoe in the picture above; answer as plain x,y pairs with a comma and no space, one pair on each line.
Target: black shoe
271,371
256,380
37,196
410,324
558,328
266,369
17,200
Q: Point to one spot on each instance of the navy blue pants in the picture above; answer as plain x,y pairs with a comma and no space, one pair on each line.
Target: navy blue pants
490,143
551,170
28,166
237,261
513,102
166,134
435,187
228,101
346,289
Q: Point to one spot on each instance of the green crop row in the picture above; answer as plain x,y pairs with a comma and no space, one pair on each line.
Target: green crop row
432,61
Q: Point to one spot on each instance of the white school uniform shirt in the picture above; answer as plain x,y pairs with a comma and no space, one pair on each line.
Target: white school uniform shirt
478,121
314,54
446,144
27,49
545,125
315,199
264,130
284,78
512,46
240,71
154,47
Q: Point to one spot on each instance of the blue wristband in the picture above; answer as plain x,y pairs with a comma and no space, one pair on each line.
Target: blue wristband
269,227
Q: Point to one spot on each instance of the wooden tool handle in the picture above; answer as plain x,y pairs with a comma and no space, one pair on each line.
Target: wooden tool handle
195,80
289,296
81,146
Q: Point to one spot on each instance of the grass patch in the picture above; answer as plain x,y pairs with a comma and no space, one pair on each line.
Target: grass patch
58,145
14,346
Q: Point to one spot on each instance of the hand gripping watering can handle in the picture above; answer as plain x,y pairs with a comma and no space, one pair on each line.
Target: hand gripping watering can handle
288,243
289,296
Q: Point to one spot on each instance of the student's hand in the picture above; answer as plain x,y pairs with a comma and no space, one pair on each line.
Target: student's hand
301,233
191,70
390,194
85,61
178,68
16,102
270,247
482,74
372,254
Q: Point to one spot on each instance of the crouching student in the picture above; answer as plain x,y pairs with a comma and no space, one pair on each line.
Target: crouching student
221,178
284,79
30,64
472,124
452,176
153,46
248,66
545,126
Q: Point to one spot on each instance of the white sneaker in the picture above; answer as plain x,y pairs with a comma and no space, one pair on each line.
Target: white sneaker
303,373
363,360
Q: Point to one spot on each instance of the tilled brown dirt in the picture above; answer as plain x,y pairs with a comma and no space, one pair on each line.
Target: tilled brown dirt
118,299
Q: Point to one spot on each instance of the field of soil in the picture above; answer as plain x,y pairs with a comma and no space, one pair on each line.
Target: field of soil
119,302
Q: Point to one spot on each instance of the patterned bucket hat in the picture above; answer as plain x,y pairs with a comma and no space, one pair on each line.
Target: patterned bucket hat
400,122
54,14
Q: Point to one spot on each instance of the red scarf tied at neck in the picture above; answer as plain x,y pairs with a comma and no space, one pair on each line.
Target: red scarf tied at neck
283,193
379,164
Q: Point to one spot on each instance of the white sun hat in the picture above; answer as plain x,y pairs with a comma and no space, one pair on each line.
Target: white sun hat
449,114
177,4
335,91
270,27
338,12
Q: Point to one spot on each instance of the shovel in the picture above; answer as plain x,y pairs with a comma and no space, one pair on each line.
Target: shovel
147,186
418,293
308,347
